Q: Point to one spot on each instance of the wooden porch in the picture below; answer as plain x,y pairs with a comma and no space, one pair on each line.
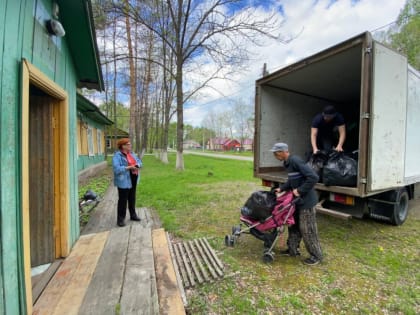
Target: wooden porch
113,270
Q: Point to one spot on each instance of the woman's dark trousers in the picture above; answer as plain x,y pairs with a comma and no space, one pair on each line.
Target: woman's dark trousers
127,196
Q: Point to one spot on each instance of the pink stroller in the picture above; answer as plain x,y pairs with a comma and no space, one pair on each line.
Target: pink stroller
270,228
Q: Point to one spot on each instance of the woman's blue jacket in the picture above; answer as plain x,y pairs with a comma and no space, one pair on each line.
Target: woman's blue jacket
122,178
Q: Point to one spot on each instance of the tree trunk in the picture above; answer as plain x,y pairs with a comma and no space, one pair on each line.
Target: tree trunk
133,83
114,92
179,115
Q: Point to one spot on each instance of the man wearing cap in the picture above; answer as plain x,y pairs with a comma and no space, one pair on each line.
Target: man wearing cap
301,181
323,130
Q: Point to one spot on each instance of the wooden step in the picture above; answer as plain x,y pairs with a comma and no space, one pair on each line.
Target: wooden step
170,300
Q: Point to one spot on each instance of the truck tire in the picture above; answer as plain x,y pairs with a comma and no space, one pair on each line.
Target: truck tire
399,215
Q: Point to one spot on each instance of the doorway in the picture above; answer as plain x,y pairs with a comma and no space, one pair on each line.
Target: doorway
45,178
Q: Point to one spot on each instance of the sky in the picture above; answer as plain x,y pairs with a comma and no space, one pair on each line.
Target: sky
314,24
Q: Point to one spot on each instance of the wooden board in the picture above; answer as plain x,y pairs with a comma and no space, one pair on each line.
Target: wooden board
139,293
39,282
104,291
170,301
65,292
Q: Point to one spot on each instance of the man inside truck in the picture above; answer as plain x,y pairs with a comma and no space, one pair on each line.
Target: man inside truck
301,180
324,129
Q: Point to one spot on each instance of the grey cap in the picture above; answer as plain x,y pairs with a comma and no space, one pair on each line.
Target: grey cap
280,147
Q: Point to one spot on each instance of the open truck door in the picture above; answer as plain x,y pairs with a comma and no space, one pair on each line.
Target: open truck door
387,132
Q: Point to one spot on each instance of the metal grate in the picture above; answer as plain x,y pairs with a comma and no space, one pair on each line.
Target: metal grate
196,262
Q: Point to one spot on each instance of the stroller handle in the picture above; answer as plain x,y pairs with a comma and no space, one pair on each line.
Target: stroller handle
295,200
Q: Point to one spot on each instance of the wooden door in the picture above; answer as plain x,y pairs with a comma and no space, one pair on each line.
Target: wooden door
41,180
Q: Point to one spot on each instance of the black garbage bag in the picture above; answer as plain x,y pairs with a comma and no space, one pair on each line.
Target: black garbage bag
89,195
340,170
259,205
317,162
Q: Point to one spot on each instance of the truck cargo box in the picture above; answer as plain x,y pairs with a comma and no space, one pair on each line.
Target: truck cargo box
378,94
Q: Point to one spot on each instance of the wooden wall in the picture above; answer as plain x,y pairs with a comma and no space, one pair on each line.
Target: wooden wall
23,36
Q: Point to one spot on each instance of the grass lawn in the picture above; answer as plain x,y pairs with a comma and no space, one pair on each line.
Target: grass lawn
369,267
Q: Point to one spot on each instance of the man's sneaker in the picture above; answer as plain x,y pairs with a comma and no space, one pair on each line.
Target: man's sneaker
311,261
288,252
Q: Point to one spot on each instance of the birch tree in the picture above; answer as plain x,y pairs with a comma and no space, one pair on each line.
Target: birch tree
217,29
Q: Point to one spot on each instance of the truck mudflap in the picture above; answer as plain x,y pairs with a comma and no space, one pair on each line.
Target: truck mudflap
391,206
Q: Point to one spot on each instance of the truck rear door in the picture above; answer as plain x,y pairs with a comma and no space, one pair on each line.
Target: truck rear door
387,132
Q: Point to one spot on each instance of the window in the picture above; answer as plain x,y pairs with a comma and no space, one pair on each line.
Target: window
90,141
99,136
108,143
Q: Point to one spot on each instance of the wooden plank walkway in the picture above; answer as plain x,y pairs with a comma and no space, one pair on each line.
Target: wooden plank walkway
111,270
104,218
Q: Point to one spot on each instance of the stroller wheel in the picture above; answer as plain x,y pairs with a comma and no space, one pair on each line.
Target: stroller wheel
268,257
236,229
230,240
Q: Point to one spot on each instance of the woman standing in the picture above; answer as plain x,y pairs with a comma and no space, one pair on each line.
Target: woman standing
126,167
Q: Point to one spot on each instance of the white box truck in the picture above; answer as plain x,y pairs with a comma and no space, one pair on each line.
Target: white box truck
378,93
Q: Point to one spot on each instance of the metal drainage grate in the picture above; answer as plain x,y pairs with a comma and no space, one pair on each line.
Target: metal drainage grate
196,262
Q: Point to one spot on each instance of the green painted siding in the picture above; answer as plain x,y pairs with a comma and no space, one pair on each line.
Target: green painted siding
85,161
11,255
2,29
23,36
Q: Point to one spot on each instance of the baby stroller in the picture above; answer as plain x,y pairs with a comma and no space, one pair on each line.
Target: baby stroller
269,229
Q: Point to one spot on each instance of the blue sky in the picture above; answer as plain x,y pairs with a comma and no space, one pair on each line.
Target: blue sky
314,24
319,24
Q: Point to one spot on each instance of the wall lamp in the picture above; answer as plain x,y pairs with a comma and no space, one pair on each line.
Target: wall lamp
54,26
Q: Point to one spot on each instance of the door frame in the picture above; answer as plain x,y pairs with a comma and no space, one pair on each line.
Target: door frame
32,75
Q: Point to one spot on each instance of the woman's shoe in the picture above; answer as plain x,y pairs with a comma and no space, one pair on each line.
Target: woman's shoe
135,218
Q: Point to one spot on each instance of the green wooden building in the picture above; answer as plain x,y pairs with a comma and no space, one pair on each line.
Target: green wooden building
48,50
92,127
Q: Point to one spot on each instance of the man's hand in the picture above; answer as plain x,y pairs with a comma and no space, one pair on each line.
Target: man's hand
296,193
339,148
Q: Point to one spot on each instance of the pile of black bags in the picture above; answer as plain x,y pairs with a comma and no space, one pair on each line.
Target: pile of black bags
259,205
335,169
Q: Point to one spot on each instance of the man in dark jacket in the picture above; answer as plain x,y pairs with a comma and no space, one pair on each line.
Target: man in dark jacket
301,180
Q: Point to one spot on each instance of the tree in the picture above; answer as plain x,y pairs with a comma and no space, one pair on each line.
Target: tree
215,29
407,37
243,114
122,115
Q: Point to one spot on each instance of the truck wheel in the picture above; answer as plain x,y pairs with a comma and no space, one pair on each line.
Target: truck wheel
399,215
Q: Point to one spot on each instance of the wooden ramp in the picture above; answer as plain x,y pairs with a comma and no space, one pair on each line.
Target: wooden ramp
111,272
66,290
196,261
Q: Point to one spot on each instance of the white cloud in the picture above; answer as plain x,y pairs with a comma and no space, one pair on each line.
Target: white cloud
320,24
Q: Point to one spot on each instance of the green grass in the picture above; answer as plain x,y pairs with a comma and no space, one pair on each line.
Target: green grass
369,267
98,184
